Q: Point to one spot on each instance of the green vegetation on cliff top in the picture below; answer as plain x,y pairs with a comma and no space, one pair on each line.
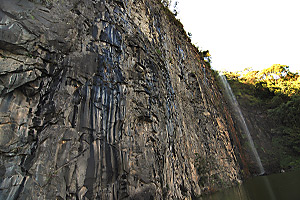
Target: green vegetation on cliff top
277,91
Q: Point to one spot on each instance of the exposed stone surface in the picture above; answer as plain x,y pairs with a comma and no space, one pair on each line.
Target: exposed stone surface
260,126
107,99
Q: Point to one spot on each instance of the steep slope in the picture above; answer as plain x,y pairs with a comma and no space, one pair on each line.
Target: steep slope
107,99
270,101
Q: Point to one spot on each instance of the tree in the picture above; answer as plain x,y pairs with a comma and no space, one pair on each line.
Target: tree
166,3
175,8
276,90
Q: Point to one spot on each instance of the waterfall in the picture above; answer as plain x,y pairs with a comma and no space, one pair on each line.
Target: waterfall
241,118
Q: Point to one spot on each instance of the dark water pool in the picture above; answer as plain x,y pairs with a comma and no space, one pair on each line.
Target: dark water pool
283,186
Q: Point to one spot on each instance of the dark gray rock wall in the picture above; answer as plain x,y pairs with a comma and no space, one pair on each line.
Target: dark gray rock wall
106,99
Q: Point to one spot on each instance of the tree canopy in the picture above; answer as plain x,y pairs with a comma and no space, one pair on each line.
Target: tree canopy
277,89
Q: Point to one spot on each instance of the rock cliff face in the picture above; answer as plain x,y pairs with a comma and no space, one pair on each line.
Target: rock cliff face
260,127
107,99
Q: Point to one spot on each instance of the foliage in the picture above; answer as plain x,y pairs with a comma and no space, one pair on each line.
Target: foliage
172,18
166,3
205,55
158,51
277,89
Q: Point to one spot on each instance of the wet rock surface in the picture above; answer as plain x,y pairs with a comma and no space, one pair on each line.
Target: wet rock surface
107,99
261,127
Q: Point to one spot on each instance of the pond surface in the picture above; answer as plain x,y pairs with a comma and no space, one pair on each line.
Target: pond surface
284,186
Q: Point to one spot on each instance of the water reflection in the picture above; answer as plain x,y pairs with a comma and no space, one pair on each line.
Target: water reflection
285,186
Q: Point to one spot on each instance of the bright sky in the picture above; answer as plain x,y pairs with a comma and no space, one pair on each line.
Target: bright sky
244,33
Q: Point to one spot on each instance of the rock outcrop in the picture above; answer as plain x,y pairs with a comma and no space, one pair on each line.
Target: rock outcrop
107,99
260,126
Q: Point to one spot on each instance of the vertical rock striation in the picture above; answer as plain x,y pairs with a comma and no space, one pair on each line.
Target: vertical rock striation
107,99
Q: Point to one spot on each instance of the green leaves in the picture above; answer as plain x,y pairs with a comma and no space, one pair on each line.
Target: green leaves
277,90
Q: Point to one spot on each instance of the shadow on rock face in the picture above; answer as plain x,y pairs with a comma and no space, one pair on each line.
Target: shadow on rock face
146,193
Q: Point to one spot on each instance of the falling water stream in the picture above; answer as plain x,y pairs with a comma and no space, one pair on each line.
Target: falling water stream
240,116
